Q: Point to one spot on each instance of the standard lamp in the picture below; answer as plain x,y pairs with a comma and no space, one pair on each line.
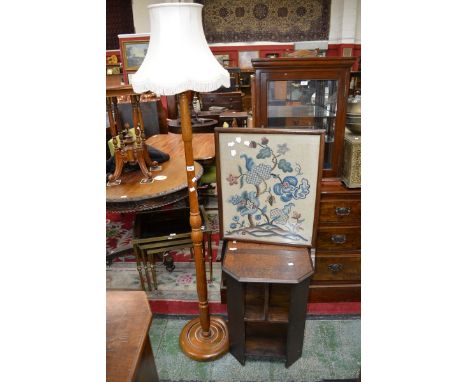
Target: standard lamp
179,60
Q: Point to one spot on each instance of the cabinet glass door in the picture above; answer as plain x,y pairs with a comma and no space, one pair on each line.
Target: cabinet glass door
304,104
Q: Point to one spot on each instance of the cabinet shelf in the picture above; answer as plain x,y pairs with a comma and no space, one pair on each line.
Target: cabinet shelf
265,340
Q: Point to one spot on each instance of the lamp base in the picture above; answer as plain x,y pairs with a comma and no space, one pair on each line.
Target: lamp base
201,348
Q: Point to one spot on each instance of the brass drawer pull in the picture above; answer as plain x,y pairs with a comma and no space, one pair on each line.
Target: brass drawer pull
335,267
342,211
338,239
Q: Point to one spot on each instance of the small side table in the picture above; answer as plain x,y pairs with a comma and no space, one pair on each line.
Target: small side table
129,356
267,290
158,232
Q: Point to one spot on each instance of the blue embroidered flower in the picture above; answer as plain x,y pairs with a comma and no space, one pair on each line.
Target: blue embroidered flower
283,148
248,162
285,165
286,189
259,172
247,203
258,217
234,199
235,218
264,153
302,191
233,225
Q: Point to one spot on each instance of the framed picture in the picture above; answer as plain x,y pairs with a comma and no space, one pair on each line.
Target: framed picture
245,58
134,53
223,59
269,184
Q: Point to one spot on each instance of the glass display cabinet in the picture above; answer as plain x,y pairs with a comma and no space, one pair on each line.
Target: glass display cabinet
305,93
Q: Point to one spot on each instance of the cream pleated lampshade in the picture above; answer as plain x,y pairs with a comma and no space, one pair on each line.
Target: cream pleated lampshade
178,56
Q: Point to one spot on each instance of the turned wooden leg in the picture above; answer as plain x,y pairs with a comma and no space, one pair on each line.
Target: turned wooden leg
119,163
136,251
145,267
142,164
148,160
210,254
153,269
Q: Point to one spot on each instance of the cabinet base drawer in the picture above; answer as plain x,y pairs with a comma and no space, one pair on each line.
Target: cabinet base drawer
340,211
339,238
337,267
335,293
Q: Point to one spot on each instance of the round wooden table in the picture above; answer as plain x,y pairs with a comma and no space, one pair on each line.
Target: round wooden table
132,196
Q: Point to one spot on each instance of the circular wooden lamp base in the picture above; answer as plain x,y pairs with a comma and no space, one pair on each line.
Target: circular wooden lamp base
201,348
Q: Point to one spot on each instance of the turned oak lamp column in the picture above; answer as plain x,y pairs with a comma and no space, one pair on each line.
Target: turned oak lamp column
179,60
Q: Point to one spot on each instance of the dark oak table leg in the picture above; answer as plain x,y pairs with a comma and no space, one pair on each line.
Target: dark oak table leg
147,369
296,325
236,325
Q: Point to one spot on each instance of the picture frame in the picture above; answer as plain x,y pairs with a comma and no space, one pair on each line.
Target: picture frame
223,59
268,184
134,53
245,58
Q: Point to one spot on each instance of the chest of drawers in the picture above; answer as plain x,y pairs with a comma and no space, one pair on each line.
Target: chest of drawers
231,101
338,258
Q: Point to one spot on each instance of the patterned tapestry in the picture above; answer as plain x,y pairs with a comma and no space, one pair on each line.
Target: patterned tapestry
266,20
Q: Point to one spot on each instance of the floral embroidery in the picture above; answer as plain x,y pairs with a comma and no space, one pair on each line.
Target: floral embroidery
283,148
289,189
260,213
258,174
232,179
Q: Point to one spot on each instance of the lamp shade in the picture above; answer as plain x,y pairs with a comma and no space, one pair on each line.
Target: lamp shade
178,56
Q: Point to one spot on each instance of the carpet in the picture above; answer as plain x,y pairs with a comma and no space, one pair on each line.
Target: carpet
119,233
176,292
331,352
266,20
180,284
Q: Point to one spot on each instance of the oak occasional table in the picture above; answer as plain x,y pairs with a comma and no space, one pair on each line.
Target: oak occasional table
267,288
129,356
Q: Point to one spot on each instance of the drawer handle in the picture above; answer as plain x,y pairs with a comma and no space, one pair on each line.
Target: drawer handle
230,99
338,239
335,267
342,211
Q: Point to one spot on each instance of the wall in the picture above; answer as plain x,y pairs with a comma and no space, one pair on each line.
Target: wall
141,15
345,23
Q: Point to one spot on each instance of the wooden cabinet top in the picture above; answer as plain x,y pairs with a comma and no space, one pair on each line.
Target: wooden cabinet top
128,318
267,263
305,63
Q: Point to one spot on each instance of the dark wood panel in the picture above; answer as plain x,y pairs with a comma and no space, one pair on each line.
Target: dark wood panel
235,296
278,265
128,318
334,293
296,325
265,339
330,267
339,211
231,100
339,238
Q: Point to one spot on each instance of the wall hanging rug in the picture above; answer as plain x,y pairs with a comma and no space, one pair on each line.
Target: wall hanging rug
266,20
